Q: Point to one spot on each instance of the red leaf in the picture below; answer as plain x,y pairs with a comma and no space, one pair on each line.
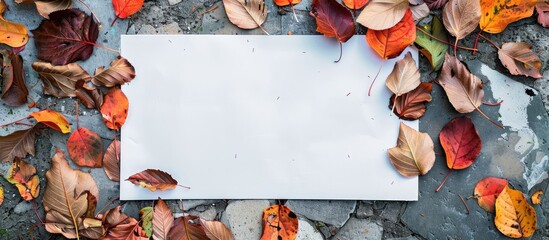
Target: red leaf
487,191
85,148
411,105
125,8
68,36
115,109
153,180
389,43
333,20
461,143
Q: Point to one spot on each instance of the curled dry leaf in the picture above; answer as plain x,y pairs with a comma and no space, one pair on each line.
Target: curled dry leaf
435,4
514,216
85,148
115,109
519,58
461,143
497,14
216,230
120,72
23,176
187,226
162,220
60,81
543,14
461,17
12,34
411,105
146,219
45,7
389,43
536,197
463,88
111,161
52,119
383,14
153,180
246,14
119,226
68,36
14,90
414,154
355,4
487,191
88,95
432,49
18,144
405,76
125,8
333,20
279,223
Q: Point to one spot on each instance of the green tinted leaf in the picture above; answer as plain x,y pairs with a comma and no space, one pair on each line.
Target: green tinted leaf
146,215
433,49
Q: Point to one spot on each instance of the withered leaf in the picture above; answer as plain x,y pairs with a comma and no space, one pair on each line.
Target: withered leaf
405,76
12,34
119,226
60,81
461,17
14,90
162,220
333,20
23,176
497,14
519,58
187,226
120,72
543,14
1,195
463,88
114,109
414,154
279,222
216,230
153,180
111,161
52,119
146,217
45,7
89,96
246,14
18,144
536,197
411,105
435,4
382,14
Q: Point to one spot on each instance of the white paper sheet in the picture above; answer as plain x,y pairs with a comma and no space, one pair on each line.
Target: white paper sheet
260,117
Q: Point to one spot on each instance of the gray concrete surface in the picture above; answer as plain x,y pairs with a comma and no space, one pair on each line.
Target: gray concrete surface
519,153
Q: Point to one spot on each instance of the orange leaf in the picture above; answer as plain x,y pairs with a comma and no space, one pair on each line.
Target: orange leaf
115,109
411,106
23,176
282,3
125,8
85,148
1,195
355,4
279,223
536,197
162,220
12,34
514,216
53,120
487,190
111,161
153,180
389,43
497,14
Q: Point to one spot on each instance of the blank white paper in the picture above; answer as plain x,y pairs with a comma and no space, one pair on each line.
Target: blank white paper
261,117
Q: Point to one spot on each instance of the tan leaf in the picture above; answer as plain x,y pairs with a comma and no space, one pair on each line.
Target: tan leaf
65,198
18,144
60,81
514,216
119,226
45,7
382,14
519,58
23,176
420,11
414,154
90,96
464,89
461,17
111,161
162,220
405,76
216,230
120,72
153,180
246,14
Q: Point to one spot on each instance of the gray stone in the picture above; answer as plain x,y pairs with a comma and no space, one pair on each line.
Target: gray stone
190,204
173,2
22,207
243,218
306,231
171,28
209,213
364,210
403,238
330,212
360,229
391,211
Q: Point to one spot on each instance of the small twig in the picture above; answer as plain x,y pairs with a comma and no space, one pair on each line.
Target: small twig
76,107
443,181
464,203
373,81
36,211
93,14
340,52
16,122
442,41
490,41
213,7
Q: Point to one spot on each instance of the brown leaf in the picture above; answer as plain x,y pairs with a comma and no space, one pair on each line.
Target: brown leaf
66,198
435,4
23,176
153,180
404,77
461,17
45,7
382,14
187,226
246,14
18,144
519,58
162,220
85,148
216,230
120,72
111,161
60,81
464,89
420,11
119,226
411,106
88,95
414,154
14,90
543,14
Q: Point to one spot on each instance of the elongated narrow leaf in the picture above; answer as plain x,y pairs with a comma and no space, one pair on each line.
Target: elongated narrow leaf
411,106
23,176
18,144
85,148
487,191
153,180
519,58
246,14
514,216
382,14
279,222
1,195
389,43
414,154
111,161
464,89
461,143
333,20
60,81
162,220
52,119
14,90
120,72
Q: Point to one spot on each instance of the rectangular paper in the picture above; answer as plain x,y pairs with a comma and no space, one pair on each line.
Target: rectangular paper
261,117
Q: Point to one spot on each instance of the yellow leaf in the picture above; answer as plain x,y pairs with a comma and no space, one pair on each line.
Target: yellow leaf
536,197
514,216
1,194
53,120
23,176
12,34
496,15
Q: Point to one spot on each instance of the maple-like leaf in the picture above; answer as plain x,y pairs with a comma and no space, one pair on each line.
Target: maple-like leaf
543,14
461,17
333,20
414,154
88,95
153,180
216,230
411,105
519,58
85,148
60,81
18,144
514,216
487,190
12,34
246,14
68,36
111,161
45,7
14,90
432,49
120,72
497,14
119,226
435,4
389,43
383,14
464,89
52,119
279,223
536,197
23,176
115,109
162,220
405,76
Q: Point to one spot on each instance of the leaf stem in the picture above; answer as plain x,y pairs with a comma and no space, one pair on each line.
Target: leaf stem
443,41
185,221
93,14
36,212
16,122
69,205
293,10
488,118
340,52
465,204
76,109
103,47
490,41
113,21
263,29
373,81
493,104
455,47
443,181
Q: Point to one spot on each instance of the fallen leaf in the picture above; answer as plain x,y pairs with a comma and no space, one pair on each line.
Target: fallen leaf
111,161
543,14
153,180
420,11
333,20
405,76
435,4
119,226
216,230
246,14
461,17
23,176
1,195
487,190
125,8
355,4
519,58
68,36
88,95
279,223
514,216
536,197
60,81
52,119
411,105
383,14
12,34
45,7
389,43
115,109
162,220
18,144
120,72
461,143
65,198
188,223
282,3
433,49
85,148
464,89
414,154
14,90
497,14
146,216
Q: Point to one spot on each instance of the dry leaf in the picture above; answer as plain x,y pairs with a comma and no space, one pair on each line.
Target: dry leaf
487,191
153,180
188,223
120,72
411,105
162,220
23,176
52,119
497,14
85,148
382,14
460,17
464,89
146,218
88,95
246,14
111,161
333,20
391,42
60,81
45,7
12,34
119,226
514,216
216,230
420,11
115,109
14,90
461,143
414,154
435,4
18,144
279,223
536,197
519,58
543,14
405,76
